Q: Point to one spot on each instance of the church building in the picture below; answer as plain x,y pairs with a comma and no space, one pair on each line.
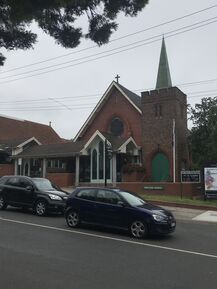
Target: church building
126,138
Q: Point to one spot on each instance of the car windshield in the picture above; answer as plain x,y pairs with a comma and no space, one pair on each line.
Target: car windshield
132,199
43,184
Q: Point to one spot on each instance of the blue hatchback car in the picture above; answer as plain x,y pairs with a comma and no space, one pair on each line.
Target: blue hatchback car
117,208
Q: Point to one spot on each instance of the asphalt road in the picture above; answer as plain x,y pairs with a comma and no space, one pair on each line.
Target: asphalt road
43,253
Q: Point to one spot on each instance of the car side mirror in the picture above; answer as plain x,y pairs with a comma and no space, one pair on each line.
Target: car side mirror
120,203
29,188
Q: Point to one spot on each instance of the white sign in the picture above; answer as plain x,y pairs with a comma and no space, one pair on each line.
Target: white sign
210,179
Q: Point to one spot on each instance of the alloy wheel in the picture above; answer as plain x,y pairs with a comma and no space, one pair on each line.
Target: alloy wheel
138,229
41,208
72,219
3,205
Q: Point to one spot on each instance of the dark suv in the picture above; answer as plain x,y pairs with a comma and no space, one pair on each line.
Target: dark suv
118,209
36,193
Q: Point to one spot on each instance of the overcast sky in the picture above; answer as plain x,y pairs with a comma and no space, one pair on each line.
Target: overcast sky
77,79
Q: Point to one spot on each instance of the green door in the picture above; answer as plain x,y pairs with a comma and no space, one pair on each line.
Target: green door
160,168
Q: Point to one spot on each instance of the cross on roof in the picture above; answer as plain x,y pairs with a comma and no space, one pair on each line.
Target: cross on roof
117,78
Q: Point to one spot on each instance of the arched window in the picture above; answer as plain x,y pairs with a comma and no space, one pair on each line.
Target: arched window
101,160
117,127
94,164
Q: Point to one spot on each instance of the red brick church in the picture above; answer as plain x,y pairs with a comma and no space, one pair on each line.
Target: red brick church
127,137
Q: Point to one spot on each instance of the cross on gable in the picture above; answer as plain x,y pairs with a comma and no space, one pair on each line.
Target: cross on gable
117,78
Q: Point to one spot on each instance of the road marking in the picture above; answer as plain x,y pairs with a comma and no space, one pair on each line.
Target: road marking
110,238
208,216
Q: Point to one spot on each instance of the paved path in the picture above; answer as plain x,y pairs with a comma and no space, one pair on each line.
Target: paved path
193,214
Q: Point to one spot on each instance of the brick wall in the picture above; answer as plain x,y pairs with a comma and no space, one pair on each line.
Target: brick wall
6,169
172,189
62,179
157,130
117,106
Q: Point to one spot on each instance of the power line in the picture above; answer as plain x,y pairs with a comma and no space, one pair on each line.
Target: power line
202,96
96,95
202,92
116,39
49,107
114,49
68,98
198,82
86,105
123,50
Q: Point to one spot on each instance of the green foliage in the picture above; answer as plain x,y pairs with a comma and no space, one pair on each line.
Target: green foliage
57,19
203,136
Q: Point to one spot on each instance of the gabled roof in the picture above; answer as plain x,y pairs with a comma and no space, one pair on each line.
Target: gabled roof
134,100
18,142
71,148
9,145
12,143
117,143
12,129
52,150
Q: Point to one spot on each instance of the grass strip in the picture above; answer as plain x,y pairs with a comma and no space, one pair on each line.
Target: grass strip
179,200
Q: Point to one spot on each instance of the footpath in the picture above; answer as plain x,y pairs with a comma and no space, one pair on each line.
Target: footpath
193,214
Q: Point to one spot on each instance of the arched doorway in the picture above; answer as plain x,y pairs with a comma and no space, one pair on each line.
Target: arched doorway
160,168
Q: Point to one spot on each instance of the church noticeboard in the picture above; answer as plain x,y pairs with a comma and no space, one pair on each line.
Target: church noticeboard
190,176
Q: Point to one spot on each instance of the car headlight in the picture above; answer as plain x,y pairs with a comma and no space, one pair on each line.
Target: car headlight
159,218
55,197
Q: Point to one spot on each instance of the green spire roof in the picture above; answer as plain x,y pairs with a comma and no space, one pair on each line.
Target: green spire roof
163,77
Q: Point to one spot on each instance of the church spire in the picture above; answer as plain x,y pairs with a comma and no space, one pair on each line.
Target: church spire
163,77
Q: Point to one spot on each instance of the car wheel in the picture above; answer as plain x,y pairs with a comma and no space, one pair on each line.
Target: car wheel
40,208
72,219
138,229
3,204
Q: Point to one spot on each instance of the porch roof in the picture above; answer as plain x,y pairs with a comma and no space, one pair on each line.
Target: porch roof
12,143
52,150
115,141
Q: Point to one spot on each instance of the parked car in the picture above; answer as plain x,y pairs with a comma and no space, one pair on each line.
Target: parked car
117,209
36,193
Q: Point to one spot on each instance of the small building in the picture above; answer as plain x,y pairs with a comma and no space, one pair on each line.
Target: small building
127,137
17,135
